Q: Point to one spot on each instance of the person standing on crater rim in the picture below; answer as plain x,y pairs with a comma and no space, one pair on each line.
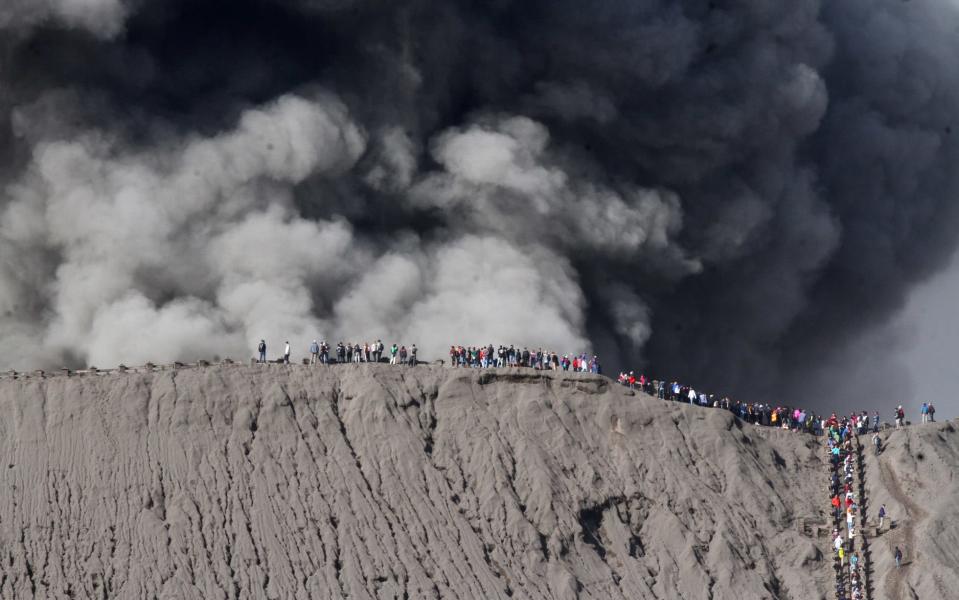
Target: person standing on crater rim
262,350
286,353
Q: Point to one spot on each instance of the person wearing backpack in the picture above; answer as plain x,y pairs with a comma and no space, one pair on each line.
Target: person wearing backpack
932,413
882,515
262,350
897,554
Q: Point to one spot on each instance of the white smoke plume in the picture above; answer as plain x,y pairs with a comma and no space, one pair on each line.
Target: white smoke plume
102,18
196,244
195,250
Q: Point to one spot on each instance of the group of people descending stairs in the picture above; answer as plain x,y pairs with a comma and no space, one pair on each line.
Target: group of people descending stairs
847,486
864,537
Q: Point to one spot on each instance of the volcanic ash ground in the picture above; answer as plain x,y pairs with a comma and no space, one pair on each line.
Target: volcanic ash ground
373,481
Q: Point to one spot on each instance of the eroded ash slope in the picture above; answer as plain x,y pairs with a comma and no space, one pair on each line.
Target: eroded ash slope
917,478
373,481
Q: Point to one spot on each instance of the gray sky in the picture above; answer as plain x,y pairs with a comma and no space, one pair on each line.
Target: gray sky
931,348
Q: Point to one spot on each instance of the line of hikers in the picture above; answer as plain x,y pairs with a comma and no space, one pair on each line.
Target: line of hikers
483,357
320,352
758,413
845,505
460,356
844,463
785,417
487,357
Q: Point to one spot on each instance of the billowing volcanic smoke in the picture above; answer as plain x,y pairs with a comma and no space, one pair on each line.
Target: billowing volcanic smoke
729,192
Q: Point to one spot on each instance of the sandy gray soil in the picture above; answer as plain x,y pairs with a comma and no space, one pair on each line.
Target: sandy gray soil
916,478
389,482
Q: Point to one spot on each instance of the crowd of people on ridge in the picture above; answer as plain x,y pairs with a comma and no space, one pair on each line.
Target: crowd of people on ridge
483,357
460,356
487,357
758,413
323,353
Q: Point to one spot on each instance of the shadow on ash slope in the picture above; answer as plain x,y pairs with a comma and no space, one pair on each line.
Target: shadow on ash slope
378,482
